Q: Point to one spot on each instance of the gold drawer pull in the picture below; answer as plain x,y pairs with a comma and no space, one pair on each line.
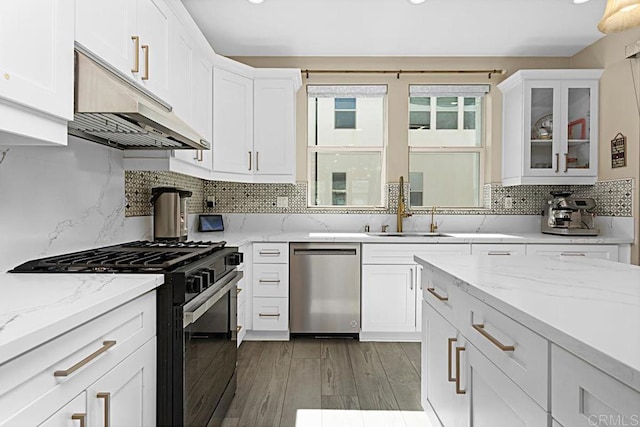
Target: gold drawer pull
107,407
449,342
238,328
573,254
269,280
136,66
484,333
270,252
146,62
106,345
433,292
80,417
458,389
269,315
499,253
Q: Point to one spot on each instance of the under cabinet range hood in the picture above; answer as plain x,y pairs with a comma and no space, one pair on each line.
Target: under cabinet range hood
110,110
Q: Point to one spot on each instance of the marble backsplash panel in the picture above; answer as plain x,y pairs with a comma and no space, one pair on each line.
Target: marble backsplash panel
55,200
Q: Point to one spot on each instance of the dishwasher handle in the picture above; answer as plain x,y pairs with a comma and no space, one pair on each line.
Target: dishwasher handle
325,251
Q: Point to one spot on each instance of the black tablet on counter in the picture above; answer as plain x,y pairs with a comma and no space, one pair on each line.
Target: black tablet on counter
210,222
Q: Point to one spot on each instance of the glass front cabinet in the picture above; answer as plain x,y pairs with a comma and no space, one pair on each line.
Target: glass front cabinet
550,127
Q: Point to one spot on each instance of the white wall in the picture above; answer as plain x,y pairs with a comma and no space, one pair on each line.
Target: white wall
59,199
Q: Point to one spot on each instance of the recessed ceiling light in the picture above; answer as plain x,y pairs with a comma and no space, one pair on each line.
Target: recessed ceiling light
417,1
256,1
579,1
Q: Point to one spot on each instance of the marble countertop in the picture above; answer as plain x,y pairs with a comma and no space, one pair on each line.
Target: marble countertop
590,307
35,308
238,239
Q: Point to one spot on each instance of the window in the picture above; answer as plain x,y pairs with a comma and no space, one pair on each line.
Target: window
345,113
445,160
346,141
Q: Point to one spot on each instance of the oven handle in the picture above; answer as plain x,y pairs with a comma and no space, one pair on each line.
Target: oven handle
194,309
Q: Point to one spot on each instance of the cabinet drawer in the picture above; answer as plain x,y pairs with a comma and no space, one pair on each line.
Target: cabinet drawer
609,252
497,250
270,253
270,314
32,375
440,293
271,280
517,351
583,395
403,253
241,292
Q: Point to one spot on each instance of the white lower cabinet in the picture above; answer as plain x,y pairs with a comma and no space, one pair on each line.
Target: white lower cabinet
270,314
584,396
107,364
269,291
388,298
609,252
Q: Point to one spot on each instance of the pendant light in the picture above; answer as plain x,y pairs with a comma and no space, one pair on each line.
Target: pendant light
620,15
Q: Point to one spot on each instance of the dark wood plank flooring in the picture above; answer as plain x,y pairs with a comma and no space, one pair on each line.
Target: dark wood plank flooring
277,379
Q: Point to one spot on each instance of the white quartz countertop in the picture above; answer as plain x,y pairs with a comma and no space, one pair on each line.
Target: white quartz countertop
238,239
590,307
35,308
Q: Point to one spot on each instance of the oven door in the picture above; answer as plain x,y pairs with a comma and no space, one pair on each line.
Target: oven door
210,353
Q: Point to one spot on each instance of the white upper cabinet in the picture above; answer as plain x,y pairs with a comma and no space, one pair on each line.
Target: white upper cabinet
131,36
254,123
550,127
232,125
36,71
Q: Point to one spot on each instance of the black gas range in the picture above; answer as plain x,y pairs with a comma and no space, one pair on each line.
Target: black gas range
196,324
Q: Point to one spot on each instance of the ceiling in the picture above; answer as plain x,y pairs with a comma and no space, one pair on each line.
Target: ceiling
397,27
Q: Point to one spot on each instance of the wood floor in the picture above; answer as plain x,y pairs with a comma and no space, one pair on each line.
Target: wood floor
307,382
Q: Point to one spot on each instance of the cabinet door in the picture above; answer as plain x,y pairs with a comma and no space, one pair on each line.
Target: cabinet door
440,340
274,131
580,134
232,123
418,281
153,22
183,54
493,399
106,28
36,55
72,414
542,128
126,395
388,298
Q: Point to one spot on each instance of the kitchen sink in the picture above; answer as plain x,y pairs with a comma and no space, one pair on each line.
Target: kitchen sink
408,234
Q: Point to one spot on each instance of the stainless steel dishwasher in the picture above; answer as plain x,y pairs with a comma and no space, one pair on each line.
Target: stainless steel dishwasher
324,287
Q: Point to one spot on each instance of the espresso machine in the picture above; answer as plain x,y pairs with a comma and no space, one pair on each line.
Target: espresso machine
569,216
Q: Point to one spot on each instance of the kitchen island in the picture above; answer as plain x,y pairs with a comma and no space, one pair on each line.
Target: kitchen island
540,339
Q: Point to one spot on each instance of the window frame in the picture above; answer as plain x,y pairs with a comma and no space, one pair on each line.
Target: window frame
480,149
381,149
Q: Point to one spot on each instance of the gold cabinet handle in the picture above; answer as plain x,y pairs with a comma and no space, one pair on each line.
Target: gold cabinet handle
145,47
268,315
269,280
411,278
257,158
107,407
250,165
484,333
458,389
268,252
499,253
573,254
106,345
238,328
80,417
433,292
566,162
449,363
136,64
199,155
557,162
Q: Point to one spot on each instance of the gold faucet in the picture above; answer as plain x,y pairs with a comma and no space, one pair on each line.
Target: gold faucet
433,227
402,209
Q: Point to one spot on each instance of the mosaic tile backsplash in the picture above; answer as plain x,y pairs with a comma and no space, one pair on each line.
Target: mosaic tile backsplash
614,198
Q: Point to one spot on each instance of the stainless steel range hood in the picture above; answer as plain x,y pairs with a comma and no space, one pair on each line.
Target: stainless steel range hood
110,110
